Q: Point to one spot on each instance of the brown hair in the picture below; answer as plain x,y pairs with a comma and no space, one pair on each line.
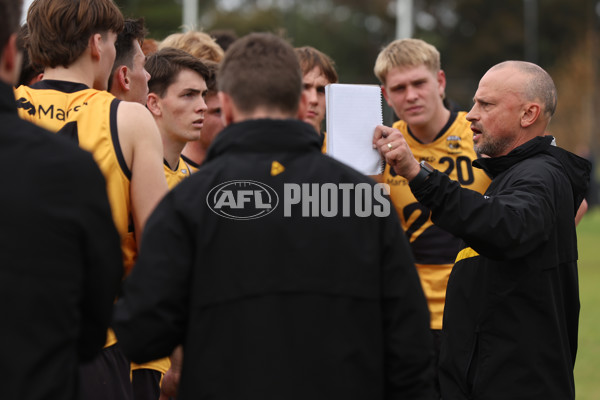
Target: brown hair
10,13
150,46
28,70
224,37
59,30
261,70
198,44
211,82
164,66
310,58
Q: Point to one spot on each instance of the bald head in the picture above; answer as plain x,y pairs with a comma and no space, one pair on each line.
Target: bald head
535,84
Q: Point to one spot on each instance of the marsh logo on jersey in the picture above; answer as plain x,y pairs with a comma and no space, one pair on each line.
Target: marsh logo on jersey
453,144
242,199
26,105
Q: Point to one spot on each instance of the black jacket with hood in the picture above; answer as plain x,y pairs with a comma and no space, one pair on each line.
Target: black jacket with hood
277,307
512,302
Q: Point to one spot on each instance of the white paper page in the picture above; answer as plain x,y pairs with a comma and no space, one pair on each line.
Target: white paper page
353,112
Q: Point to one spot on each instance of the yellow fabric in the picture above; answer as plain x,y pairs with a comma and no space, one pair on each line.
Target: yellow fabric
451,153
174,177
162,365
466,253
90,110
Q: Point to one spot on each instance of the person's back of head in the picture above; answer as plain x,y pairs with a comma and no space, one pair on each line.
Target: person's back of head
59,30
224,37
10,13
198,44
403,53
261,70
150,46
165,65
310,58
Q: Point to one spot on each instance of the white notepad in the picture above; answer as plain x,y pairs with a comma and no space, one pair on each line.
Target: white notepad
353,112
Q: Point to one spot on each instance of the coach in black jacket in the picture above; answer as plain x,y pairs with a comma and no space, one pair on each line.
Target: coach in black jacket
274,292
512,302
60,257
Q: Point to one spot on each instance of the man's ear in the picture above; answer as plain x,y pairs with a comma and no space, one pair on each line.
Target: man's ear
94,44
10,61
228,110
441,80
530,114
385,96
122,76
153,104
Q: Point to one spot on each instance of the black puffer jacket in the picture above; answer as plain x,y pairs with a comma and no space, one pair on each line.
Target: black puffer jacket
512,303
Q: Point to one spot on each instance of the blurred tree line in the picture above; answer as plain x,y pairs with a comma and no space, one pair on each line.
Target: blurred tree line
472,35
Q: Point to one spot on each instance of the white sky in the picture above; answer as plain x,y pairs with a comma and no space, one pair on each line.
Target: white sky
26,4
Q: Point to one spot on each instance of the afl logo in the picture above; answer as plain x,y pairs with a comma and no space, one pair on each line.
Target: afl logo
242,199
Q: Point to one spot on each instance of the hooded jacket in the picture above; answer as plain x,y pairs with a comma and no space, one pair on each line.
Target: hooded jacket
512,302
290,307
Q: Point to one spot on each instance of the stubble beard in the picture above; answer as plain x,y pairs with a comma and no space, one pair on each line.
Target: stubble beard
492,147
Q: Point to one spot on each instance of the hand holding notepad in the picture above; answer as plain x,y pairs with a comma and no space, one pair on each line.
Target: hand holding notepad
353,112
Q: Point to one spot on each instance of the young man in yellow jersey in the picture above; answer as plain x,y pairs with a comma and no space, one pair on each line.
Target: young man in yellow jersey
195,151
176,100
204,47
74,41
129,79
318,71
413,84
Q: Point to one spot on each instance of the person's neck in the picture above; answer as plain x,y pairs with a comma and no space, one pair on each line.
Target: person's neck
428,132
75,73
195,151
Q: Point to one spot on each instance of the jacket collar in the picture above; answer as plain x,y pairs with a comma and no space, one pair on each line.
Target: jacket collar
577,169
7,98
265,135
496,165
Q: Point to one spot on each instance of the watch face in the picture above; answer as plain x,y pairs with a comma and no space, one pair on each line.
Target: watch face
426,166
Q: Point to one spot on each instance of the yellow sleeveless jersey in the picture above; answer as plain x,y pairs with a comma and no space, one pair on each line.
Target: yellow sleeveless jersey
88,117
191,165
433,248
174,177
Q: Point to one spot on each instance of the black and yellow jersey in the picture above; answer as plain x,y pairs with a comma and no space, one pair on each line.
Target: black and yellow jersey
433,248
191,165
175,176
89,118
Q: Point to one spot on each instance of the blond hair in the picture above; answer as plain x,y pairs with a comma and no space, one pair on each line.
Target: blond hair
199,44
406,53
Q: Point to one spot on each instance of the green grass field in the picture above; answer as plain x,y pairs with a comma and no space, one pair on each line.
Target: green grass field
587,366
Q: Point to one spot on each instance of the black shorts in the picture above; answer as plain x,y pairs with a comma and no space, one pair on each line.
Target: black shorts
106,376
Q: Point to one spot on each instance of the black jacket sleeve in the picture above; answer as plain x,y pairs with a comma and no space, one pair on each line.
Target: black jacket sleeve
150,317
506,223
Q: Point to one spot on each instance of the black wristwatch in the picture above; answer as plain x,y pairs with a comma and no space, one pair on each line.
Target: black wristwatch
426,170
